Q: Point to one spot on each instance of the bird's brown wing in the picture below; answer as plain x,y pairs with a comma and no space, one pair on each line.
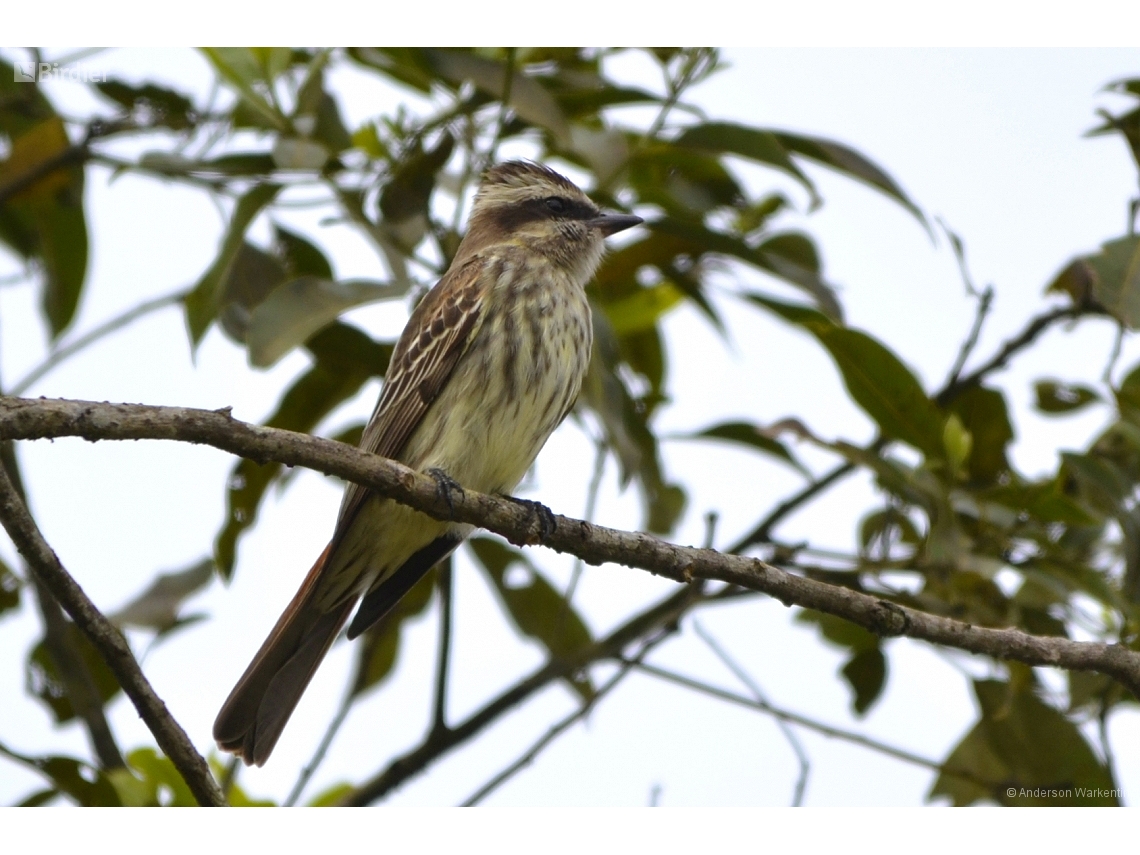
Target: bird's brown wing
438,332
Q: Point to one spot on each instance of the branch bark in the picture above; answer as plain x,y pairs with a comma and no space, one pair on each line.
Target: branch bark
110,643
522,525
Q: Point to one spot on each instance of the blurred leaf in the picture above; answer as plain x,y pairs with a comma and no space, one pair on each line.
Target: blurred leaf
407,193
624,421
378,650
252,275
643,308
753,143
752,436
789,257
1025,746
155,782
84,783
42,678
875,378
526,95
9,588
243,69
202,303
866,669
332,796
45,219
345,359
866,673
1056,397
295,310
687,183
983,413
158,606
849,162
957,442
534,606
157,105
300,256
1111,278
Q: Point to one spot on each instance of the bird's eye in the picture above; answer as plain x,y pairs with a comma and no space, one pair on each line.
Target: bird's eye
558,206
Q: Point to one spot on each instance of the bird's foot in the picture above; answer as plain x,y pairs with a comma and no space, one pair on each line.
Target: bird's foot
445,485
544,521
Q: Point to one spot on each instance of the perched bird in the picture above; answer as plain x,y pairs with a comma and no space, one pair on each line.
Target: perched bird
489,364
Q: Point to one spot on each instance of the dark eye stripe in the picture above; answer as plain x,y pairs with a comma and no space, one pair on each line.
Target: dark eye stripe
511,217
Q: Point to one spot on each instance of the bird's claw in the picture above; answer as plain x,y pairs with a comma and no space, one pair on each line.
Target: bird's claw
445,485
544,520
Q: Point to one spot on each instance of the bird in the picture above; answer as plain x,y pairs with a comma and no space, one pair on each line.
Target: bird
489,364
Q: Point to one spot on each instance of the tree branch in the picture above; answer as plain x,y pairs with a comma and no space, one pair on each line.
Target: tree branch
665,613
523,525
110,643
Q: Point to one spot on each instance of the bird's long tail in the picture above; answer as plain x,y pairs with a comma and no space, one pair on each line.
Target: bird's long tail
252,718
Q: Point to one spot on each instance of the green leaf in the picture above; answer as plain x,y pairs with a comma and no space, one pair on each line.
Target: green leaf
158,606
957,442
203,302
876,379
297,309
84,783
242,68
848,162
983,413
866,673
866,670
161,106
1031,753
43,679
1111,277
745,433
533,605
9,588
156,782
643,308
45,220
628,435
755,144
789,257
300,256
526,95
1054,396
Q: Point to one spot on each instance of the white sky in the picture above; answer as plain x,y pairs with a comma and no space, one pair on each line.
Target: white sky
988,140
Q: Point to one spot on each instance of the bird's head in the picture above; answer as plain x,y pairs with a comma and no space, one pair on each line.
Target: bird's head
526,203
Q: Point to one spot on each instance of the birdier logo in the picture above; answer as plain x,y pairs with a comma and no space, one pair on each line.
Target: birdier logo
38,72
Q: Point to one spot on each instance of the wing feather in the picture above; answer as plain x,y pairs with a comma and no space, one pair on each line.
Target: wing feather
436,336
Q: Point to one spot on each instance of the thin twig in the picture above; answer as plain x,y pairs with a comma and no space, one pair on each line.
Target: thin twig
561,727
591,507
816,726
322,749
115,324
504,105
1022,340
1117,346
663,614
446,580
985,302
110,643
789,734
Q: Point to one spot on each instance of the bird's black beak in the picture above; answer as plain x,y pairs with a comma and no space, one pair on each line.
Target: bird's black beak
611,224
